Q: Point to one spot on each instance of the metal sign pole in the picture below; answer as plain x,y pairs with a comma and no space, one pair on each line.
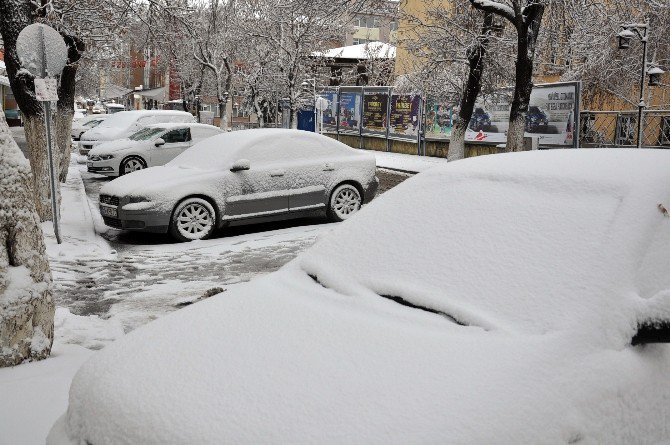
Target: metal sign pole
47,121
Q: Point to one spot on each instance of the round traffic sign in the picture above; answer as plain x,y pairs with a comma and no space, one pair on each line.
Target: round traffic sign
41,50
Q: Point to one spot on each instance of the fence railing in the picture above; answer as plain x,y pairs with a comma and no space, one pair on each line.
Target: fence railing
619,129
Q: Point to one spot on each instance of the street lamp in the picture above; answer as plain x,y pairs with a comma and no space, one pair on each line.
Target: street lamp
640,30
654,72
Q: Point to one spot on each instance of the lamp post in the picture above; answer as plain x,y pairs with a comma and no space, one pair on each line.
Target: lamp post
305,87
640,30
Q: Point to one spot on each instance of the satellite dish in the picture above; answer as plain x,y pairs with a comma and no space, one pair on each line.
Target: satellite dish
41,50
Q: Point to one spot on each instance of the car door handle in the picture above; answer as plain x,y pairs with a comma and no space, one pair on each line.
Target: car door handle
277,173
328,168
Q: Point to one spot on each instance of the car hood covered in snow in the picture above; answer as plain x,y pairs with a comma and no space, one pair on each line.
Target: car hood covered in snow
163,183
114,146
355,340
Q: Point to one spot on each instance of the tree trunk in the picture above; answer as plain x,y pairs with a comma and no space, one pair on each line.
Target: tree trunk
26,304
294,118
66,90
39,164
473,86
520,101
64,139
223,112
457,140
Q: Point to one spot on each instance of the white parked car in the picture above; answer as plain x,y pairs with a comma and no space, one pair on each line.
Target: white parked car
112,108
503,299
242,177
123,124
79,113
151,146
82,125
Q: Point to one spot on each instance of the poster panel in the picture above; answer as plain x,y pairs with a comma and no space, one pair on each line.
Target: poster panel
405,117
440,116
552,115
350,112
375,112
329,115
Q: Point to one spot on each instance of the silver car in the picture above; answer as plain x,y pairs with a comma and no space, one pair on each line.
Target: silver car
239,178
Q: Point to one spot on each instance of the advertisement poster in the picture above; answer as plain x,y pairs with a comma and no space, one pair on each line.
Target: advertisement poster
551,116
405,117
330,114
350,112
375,109
439,118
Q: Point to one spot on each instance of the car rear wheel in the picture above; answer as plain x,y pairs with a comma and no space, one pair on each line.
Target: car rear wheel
132,164
193,219
344,202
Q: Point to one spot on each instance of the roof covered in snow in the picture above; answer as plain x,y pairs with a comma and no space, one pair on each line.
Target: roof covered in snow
364,51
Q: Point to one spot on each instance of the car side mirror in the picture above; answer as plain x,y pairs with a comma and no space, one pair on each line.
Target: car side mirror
159,142
654,327
240,165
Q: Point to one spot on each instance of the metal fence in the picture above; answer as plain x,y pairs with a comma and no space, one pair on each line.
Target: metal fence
619,129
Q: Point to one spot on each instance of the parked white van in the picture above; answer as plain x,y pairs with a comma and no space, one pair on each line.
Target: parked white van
123,124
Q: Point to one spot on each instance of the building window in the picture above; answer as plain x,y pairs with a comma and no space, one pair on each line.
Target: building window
393,26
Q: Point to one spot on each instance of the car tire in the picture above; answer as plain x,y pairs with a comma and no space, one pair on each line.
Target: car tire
131,164
193,219
345,200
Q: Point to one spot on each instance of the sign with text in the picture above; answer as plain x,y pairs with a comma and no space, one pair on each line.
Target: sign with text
350,112
405,116
440,116
46,90
551,117
375,110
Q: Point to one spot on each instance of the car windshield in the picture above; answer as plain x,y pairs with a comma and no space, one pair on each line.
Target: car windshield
91,124
146,133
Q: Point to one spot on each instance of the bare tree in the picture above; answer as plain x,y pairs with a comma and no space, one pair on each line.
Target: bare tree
526,19
26,304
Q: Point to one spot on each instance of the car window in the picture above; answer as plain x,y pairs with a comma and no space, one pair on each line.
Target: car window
146,134
179,135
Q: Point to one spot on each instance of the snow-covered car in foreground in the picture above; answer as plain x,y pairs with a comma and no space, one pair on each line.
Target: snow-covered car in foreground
502,299
243,177
83,124
124,123
151,146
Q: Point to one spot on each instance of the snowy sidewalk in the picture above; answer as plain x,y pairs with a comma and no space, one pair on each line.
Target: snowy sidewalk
406,163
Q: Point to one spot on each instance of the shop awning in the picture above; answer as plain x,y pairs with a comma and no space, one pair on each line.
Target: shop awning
158,94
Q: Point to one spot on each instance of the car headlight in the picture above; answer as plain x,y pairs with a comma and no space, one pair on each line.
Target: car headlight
100,157
134,199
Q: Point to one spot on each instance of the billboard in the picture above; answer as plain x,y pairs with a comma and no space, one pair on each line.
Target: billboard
552,115
350,111
405,117
439,118
375,112
329,115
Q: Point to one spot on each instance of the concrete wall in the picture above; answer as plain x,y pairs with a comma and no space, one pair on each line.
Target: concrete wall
438,149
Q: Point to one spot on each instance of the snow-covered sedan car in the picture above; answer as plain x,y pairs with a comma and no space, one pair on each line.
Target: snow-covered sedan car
83,124
503,299
151,146
124,123
243,177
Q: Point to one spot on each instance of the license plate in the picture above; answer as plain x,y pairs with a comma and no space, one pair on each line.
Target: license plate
108,211
89,164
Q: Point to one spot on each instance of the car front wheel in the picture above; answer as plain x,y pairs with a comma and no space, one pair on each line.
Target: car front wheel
193,219
344,202
132,164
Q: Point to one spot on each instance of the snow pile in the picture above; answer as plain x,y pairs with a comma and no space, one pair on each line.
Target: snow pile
35,394
407,163
544,356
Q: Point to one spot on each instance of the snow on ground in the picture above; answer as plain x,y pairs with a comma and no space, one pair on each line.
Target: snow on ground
33,395
107,286
408,163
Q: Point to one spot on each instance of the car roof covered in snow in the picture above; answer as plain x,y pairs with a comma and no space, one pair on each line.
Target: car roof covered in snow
533,241
172,125
209,155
